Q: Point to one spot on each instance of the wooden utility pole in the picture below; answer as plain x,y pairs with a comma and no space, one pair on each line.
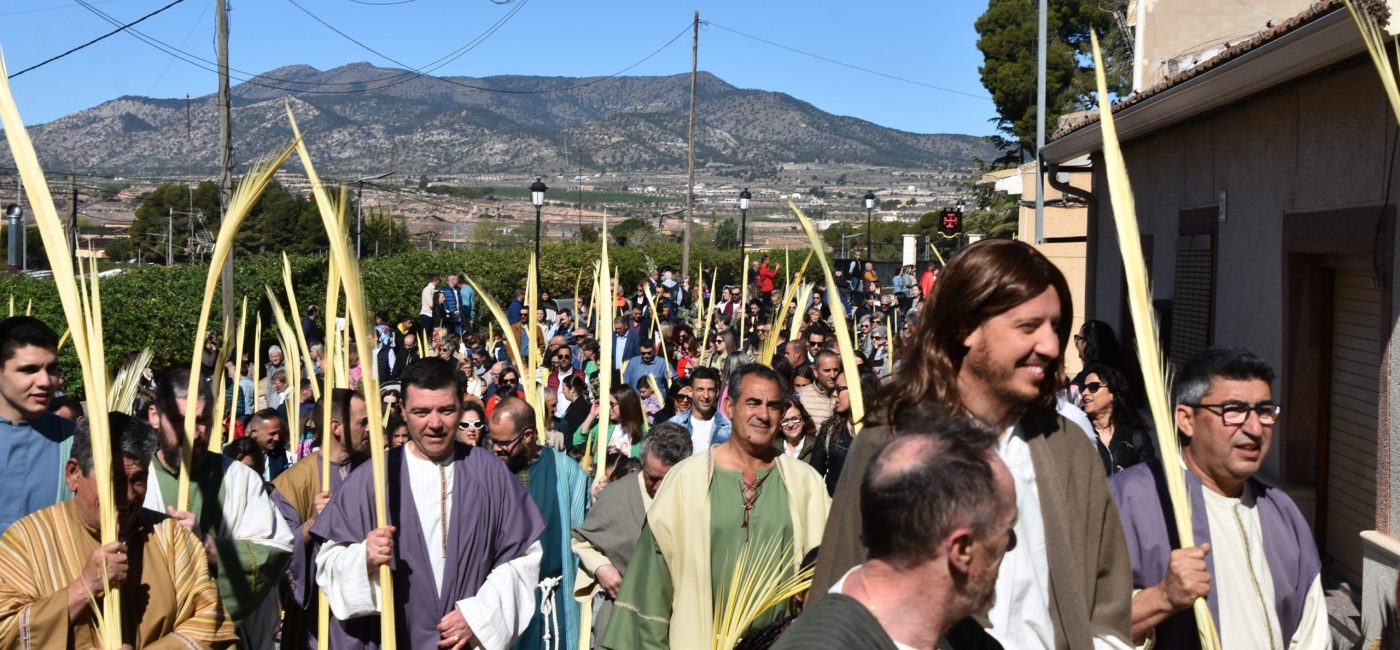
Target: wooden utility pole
225,147
73,217
690,186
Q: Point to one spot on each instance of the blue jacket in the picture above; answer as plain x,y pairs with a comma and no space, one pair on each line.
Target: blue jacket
722,430
449,302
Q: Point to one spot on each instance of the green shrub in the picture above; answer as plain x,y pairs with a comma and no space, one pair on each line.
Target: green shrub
158,307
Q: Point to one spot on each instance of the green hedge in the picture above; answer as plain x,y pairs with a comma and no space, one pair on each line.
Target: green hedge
158,307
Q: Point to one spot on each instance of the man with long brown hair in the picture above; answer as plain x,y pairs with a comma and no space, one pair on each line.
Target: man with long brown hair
990,347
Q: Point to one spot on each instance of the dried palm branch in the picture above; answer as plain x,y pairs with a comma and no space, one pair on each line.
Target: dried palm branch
790,290
357,309
240,204
257,359
838,319
1374,37
238,359
121,395
762,578
656,324
606,356
743,298
84,315
288,341
939,255
535,395
499,315
305,349
1145,330
804,296
216,428
705,348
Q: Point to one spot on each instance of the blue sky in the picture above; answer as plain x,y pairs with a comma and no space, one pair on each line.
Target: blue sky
928,41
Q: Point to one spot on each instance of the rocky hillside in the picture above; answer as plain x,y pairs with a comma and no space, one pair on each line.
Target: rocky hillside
362,118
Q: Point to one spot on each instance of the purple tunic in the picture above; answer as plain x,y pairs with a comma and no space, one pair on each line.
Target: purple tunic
493,521
304,602
1289,549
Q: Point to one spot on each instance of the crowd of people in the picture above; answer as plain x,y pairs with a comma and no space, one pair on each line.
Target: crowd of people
984,499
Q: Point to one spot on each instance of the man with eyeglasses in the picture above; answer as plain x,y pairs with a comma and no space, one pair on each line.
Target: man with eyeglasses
1255,561
507,385
819,397
647,363
463,541
562,491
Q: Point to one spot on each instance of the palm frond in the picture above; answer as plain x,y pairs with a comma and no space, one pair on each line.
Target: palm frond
84,323
760,581
1145,329
240,204
357,309
838,320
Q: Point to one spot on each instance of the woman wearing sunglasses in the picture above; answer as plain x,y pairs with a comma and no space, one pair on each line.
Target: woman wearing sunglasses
1119,431
472,427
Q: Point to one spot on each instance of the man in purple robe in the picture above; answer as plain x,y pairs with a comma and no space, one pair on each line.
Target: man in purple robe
1254,561
463,539
301,498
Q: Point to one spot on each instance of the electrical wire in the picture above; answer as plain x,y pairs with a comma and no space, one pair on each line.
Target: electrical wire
400,78
843,63
96,40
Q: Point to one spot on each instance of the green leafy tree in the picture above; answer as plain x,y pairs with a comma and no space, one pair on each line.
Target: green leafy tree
727,234
633,231
383,236
149,231
1007,37
120,249
588,234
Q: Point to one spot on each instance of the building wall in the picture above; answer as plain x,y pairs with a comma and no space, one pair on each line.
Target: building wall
1319,144
1065,227
1171,29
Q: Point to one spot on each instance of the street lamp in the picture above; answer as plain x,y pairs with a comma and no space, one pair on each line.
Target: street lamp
869,233
14,220
744,198
537,190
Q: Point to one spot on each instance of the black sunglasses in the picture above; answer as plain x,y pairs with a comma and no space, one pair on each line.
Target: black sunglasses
1094,386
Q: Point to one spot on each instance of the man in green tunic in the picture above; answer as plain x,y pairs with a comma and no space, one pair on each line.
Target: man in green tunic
737,495
560,488
246,538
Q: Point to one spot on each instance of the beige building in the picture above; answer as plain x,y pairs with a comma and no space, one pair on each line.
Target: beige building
1266,189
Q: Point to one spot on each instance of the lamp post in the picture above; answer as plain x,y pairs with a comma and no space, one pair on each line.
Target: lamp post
14,221
537,190
744,198
869,233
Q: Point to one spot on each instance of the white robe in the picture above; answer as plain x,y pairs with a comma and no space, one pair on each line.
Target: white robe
249,516
498,613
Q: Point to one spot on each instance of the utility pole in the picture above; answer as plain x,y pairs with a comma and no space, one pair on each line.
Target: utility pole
73,215
225,147
690,185
23,227
1040,125
169,236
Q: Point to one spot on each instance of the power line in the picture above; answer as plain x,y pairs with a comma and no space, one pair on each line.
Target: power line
843,63
95,40
400,78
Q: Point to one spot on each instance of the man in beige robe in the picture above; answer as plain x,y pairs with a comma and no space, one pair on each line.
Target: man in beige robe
51,563
991,347
742,495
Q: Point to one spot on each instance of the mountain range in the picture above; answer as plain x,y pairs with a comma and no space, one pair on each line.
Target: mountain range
360,118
